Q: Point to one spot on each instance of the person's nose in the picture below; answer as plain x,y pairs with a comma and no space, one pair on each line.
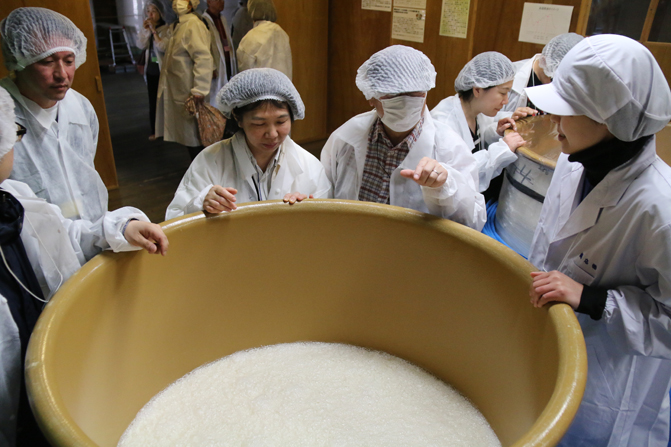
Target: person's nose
59,70
272,132
505,99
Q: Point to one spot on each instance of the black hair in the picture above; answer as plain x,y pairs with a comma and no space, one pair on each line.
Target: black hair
467,95
239,112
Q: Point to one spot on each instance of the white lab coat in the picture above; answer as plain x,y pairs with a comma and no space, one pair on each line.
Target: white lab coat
227,164
619,238
265,46
143,36
186,70
217,49
344,157
56,248
495,157
57,163
517,96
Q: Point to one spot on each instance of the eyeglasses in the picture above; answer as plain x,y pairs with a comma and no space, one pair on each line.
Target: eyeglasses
20,132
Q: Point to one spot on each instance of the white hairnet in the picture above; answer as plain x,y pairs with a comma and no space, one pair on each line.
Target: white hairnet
485,70
555,50
258,84
7,123
613,80
31,34
396,69
262,10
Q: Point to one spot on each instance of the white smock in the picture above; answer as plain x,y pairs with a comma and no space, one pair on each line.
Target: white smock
217,50
494,156
187,70
517,97
228,164
56,248
163,33
344,157
58,162
618,237
265,46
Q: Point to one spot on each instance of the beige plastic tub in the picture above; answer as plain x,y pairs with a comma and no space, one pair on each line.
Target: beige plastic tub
425,289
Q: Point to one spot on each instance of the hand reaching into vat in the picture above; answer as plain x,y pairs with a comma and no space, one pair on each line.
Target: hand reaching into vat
523,112
147,235
220,199
509,123
427,173
514,140
554,286
293,197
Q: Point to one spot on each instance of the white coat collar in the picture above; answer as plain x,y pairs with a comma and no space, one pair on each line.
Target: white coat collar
607,193
289,169
69,111
521,79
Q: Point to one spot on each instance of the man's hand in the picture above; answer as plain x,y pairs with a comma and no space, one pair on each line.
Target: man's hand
293,197
220,199
523,112
148,236
427,173
554,286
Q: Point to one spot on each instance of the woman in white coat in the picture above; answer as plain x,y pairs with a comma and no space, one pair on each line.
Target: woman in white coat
538,70
603,242
482,90
49,250
186,72
397,153
267,44
260,162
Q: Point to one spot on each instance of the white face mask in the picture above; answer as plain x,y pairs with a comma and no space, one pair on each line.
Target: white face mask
401,113
181,7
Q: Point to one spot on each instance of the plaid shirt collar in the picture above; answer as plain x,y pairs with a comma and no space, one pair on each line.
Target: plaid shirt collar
379,135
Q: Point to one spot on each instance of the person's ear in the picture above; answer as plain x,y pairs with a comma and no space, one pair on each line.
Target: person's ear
477,92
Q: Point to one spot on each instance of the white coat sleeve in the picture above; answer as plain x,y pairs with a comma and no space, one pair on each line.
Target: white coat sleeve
89,238
324,189
161,43
197,40
10,375
193,188
143,38
639,319
492,161
458,199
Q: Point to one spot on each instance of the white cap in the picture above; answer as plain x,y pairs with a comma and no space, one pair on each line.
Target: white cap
7,124
555,50
613,80
257,84
485,70
32,34
396,69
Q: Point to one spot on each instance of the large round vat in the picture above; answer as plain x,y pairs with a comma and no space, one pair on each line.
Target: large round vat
526,182
428,290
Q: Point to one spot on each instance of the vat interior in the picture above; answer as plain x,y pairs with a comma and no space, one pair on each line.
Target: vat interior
426,290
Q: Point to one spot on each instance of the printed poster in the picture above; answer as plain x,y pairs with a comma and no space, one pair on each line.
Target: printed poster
454,18
541,22
412,4
376,5
408,24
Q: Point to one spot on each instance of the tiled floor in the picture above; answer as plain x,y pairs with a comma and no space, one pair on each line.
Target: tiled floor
148,171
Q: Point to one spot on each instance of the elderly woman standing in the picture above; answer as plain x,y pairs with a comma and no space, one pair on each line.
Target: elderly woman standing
265,45
260,162
152,39
186,72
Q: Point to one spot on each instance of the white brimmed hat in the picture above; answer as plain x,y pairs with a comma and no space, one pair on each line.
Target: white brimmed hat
613,80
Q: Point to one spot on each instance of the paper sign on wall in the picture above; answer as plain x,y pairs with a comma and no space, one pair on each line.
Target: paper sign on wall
377,5
454,18
541,22
412,4
408,24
